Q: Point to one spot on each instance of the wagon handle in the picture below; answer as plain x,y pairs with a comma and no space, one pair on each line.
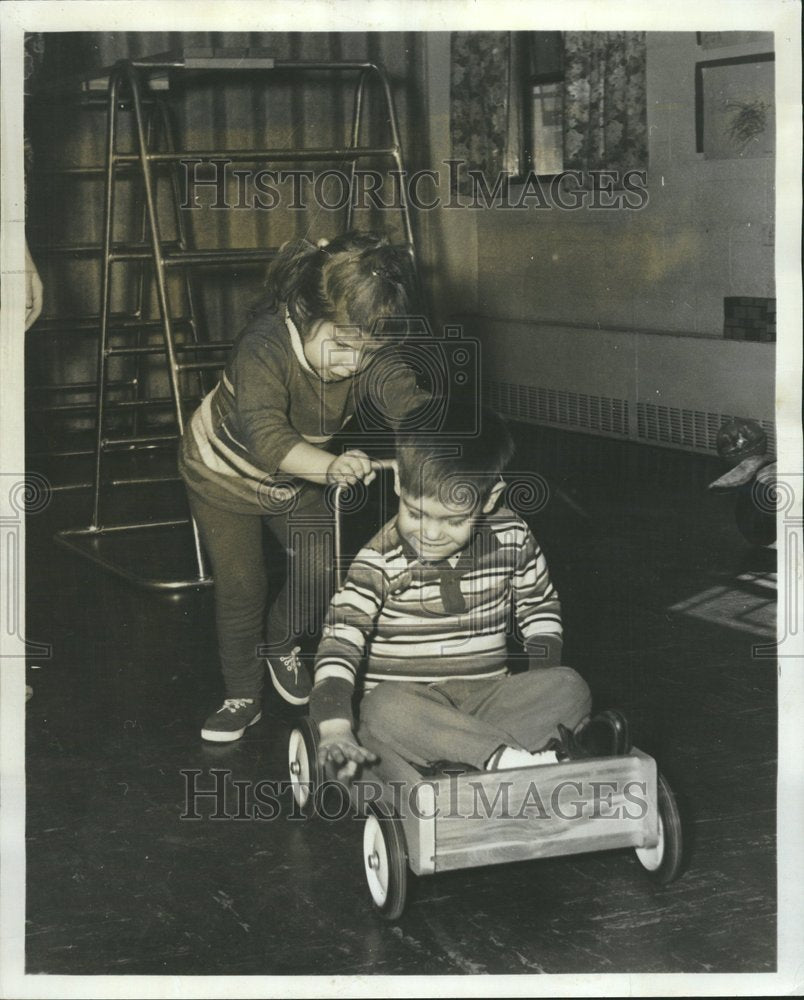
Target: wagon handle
381,465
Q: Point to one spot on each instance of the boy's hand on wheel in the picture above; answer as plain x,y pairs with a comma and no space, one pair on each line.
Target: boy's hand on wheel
351,466
338,747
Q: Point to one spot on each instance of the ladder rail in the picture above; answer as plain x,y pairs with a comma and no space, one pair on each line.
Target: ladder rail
127,89
174,372
105,294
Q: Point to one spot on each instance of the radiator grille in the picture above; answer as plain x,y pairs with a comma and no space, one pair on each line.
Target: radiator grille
559,407
687,428
664,425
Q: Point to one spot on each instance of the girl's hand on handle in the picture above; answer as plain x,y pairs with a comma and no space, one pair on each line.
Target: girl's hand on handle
339,748
351,466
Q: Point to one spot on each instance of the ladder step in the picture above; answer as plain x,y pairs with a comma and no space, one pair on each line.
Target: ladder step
173,258
250,255
90,452
65,487
90,324
147,441
123,404
86,171
199,366
63,453
120,251
113,352
82,386
185,258
128,162
262,155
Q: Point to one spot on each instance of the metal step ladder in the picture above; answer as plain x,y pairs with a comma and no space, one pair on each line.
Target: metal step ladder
133,84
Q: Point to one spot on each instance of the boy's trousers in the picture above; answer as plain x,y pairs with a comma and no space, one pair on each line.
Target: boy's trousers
465,721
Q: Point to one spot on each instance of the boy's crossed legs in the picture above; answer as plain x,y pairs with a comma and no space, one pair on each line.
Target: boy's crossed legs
466,721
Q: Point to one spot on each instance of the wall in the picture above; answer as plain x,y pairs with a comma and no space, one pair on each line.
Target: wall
706,232
668,390
525,281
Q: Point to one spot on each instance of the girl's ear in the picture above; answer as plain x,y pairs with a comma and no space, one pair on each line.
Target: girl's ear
397,488
493,497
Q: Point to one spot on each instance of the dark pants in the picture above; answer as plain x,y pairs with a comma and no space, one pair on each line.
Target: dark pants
466,721
234,544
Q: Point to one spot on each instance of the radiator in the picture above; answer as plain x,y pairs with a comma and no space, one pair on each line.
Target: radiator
660,389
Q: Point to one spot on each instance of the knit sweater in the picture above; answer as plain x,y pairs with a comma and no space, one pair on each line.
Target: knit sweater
397,618
268,400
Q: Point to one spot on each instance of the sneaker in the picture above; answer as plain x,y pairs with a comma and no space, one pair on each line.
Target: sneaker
290,677
231,720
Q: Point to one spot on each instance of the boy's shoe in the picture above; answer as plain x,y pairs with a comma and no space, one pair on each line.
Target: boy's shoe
605,735
445,768
290,676
507,758
231,720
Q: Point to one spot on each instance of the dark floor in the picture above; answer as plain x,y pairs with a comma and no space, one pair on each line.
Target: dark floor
663,601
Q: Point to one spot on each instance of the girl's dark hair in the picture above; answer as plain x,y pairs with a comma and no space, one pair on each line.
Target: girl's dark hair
358,279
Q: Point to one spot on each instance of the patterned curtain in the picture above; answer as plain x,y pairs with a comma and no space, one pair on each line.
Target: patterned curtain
605,105
481,102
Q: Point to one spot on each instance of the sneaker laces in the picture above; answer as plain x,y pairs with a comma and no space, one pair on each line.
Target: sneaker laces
292,662
235,704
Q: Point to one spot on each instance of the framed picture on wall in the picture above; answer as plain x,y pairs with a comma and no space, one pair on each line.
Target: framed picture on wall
722,39
734,107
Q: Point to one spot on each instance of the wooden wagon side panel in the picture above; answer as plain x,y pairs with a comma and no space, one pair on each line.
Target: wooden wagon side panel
535,812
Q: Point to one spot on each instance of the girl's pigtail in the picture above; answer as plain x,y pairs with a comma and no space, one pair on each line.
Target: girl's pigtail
356,279
293,278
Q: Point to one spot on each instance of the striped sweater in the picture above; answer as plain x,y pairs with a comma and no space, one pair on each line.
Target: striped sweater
396,618
268,400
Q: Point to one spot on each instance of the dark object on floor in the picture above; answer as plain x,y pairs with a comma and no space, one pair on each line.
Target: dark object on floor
740,438
755,524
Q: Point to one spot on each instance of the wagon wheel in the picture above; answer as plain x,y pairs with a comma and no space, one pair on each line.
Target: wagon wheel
385,860
305,771
663,862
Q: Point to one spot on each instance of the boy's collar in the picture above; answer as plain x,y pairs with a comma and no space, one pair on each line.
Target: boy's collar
481,528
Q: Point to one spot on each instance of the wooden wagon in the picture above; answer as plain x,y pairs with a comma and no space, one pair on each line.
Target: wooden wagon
464,819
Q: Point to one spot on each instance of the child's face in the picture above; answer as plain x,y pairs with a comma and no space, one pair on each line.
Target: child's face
433,529
337,353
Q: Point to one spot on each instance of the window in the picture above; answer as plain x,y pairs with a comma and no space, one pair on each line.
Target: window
543,125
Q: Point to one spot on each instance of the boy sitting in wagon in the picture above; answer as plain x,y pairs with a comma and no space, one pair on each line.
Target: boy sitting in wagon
421,624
